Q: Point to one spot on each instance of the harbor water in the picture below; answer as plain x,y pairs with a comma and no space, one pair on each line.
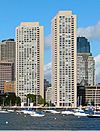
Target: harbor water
20,121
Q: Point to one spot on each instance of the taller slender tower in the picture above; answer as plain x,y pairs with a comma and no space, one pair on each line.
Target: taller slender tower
64,57
29,59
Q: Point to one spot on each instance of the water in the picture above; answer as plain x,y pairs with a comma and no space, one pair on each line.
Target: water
50,121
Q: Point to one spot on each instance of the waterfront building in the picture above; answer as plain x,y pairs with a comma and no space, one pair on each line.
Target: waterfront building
49,94
6,73
9,86
29,59
92,94
83,45
64,58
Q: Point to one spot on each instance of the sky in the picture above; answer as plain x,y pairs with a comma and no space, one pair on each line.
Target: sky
13,12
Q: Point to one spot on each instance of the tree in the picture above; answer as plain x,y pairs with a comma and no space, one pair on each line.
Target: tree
36,99
10,99
31,97
18,101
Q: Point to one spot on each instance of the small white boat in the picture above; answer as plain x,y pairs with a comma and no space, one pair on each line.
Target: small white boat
10,110
3,111
80,112
27,111
36,114
52,111
67,112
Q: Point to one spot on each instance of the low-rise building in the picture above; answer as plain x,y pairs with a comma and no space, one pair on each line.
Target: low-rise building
9,86
92,94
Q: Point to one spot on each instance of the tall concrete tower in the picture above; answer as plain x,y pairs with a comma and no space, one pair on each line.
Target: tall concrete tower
29,59
64,57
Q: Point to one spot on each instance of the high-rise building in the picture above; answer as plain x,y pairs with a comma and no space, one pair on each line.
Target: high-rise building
85,69
29,59
83,45
7,50
6,73
7,62
85,63
64,57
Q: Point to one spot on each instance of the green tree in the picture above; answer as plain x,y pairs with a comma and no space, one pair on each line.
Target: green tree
10,99
36,99
18,101
31,97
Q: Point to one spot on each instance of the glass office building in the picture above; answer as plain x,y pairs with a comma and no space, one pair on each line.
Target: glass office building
83,45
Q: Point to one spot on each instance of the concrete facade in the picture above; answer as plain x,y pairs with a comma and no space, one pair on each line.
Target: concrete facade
64,57
85,69
6,73
29,59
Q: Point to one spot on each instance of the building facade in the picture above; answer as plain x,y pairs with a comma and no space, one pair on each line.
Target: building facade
6,73
9,86
49,95
46,85
85,69
7,50
64,57
92,95
85,63
29,59
83,45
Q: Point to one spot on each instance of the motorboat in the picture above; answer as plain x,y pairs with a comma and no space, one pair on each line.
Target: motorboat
27,111
80,112
52,111
10,110
37,114
67,112
96,114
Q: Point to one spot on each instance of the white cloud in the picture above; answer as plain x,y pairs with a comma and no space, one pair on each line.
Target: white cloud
47,71
48,40
97,62
90,32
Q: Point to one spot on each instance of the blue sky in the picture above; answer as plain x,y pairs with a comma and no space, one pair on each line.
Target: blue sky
12,12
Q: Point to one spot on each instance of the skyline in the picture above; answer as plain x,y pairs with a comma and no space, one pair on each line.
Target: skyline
88,21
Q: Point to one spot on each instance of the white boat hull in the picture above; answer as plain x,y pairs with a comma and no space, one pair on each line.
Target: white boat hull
52,111
67,112
37,114
80,114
